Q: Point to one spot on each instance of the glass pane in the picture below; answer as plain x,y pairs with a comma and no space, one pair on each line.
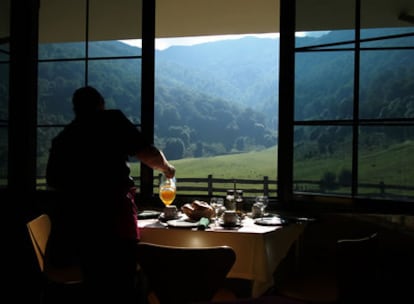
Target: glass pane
326,40
44,140
385,162
57,82
387,84
112,49
324,85
322,159
391,37
116,20
119,81
64,50
216,111
62,23
312,18
381,18
4,50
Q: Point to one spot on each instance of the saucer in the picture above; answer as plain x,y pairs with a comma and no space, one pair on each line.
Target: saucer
270,221
228,225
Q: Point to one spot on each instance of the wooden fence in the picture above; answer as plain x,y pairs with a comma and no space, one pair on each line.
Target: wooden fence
211,186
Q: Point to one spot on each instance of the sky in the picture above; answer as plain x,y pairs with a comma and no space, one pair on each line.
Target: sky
164,43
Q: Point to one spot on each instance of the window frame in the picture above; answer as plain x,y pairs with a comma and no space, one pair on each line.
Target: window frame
146,85
290,198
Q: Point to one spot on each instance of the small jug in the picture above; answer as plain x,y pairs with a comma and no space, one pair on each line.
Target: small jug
230,217
170,211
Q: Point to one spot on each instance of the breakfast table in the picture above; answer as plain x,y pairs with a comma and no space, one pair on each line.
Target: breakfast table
259,248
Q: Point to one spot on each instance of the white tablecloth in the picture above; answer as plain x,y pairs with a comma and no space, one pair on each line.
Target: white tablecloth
259,249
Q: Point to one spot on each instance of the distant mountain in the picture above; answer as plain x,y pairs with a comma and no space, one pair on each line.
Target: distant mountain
206,105
220,97
244,71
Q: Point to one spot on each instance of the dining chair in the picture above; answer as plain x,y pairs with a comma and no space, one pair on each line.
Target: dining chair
357,269
353,279
185,274
57,282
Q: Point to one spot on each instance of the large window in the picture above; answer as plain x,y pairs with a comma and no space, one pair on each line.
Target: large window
216,112
353,107
337,123
87,54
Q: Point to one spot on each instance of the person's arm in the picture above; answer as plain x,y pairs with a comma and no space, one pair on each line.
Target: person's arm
155,159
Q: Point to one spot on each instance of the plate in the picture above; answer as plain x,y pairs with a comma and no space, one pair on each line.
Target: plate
270,221
182,223
162,217
148,214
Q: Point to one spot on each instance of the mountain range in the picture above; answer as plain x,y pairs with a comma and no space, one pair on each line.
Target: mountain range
222,97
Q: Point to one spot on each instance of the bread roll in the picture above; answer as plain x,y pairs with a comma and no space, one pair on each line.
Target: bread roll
198,209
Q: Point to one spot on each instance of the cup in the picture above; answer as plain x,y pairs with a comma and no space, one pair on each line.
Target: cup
170,211
256,211
230,217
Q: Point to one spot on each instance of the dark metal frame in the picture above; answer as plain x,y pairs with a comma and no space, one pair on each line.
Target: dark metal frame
311,201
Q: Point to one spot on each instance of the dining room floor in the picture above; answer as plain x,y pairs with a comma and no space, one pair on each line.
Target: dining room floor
312,281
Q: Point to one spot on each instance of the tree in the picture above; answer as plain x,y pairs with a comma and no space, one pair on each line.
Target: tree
174,148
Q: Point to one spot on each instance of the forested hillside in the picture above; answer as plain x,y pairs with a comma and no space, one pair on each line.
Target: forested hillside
216,102
221,97
325,90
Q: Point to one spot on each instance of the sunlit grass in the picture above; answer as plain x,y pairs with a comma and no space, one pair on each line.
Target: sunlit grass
251,165
392,165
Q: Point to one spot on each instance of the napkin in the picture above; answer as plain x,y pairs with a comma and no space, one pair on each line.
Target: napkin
203,223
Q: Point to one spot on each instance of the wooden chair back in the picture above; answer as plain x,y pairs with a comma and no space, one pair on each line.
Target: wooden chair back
183,274
357,267
39,231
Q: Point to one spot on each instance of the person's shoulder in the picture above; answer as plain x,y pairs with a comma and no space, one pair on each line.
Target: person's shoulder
113,114
116,119
68,130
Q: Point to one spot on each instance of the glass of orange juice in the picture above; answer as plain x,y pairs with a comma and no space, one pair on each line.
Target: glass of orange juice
167,190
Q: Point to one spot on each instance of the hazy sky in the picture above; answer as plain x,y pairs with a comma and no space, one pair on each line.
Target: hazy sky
162,44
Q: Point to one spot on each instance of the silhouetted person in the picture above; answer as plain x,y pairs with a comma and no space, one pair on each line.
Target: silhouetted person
94,214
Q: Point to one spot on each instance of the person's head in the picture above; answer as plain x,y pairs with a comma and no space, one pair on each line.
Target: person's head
87,100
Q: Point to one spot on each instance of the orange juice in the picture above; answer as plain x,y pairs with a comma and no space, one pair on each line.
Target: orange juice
167,194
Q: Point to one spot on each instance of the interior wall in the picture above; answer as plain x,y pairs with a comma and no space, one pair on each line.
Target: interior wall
64,21
4,19
117,20
180,18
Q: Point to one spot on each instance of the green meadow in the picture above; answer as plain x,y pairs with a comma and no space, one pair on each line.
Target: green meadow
251,165
393,164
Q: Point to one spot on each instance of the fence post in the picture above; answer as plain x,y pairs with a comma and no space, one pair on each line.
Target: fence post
266,185
382,187
210,185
